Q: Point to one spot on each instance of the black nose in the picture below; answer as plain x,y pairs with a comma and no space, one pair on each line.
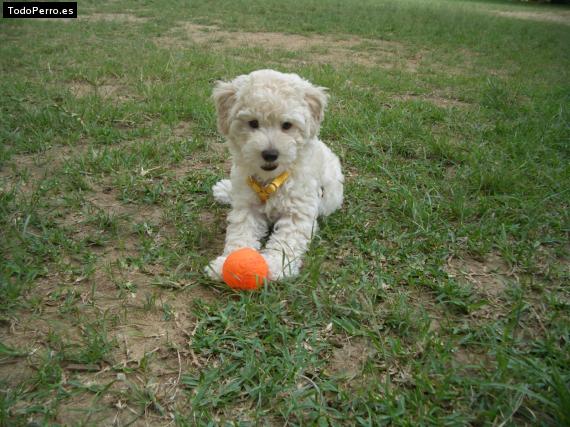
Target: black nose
270,155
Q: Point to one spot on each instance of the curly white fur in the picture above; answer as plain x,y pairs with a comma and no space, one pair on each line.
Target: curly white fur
252,110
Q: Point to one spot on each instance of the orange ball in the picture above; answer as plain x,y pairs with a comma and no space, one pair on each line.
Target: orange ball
245,269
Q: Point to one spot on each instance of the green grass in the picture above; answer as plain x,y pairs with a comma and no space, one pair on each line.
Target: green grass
437,295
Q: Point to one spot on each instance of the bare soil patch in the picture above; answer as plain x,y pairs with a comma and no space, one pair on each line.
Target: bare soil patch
27,170
114,17
435,99
438,98
182,130
558,16
316,48
59,20
145,341
12,371
111,89
152,327
488,276
79,89
105,198
213,158
90,409
465,359
348,360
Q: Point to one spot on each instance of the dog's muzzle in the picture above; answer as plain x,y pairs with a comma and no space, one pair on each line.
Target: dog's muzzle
270,156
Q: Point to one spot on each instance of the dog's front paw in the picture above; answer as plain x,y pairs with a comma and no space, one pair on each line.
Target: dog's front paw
214,269
223,191
280,267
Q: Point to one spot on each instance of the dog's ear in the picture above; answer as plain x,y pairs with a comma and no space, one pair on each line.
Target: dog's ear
316,97
224,96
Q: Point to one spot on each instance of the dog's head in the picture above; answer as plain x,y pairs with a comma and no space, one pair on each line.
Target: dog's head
268,117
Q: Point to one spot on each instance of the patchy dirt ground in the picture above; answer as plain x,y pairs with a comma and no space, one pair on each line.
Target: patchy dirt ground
348,360
490,279
558,16
487,276
141,310
27,170
439,100
316,48
148,319
114,17
111,89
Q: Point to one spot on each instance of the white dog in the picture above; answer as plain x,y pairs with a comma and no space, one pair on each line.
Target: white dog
282,174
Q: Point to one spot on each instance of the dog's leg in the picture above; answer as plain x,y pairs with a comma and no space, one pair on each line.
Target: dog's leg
288,243
331,182
246,227
223,191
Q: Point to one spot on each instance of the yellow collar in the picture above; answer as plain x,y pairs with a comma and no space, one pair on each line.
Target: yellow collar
265,192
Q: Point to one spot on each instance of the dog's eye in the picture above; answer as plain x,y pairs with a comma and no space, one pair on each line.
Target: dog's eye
254,124
286,126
